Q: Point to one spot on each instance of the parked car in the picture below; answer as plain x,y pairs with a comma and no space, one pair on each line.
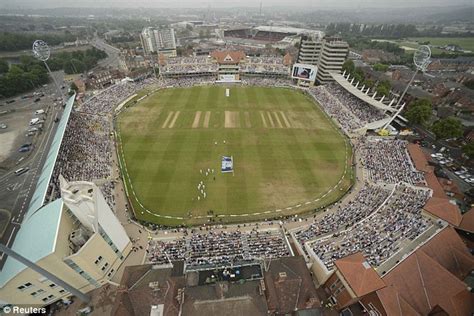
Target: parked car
3,126
21,171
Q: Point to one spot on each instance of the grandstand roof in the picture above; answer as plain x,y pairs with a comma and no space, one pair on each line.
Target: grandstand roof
39,195
428,279
41,222
418,157
288,30
359,94
35,240
358,273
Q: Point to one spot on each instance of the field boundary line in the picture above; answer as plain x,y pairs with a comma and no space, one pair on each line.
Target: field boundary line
129,186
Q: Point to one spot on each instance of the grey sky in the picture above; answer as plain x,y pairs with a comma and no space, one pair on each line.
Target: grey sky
323,4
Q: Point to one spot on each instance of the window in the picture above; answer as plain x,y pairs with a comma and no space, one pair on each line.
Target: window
110,273
25,286
62,291
99,259
52,285
48,298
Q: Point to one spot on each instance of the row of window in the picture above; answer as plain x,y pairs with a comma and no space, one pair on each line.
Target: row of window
40,291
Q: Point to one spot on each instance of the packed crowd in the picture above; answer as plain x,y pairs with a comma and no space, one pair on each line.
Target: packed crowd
87,146
222,248
382,234
104,102
264,65
368,199
334,108
388,161
267,82
363,111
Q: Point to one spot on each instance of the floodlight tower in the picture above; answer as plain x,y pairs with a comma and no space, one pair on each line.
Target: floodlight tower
421,59
42,52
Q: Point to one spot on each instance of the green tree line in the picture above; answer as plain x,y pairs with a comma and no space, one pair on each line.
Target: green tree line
19,41
22,77
76,61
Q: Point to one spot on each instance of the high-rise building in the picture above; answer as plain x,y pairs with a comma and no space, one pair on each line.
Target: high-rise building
161,41
310,48
327,54
78,238
333,54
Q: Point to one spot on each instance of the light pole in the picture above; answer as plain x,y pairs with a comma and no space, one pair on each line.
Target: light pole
421,59
42,52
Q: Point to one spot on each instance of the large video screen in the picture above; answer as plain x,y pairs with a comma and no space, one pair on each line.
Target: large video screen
305,72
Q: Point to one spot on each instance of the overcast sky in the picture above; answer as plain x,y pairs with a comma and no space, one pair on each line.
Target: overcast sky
326,4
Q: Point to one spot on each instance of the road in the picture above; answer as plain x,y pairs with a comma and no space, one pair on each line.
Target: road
17,191
112,61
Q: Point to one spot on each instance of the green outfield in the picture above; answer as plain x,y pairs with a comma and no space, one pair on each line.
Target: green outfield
288,156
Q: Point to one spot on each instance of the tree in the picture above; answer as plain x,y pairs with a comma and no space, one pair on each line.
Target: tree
469,150
383,88
419,112
3,66
74,87
358,75
449,127
348,66
380,67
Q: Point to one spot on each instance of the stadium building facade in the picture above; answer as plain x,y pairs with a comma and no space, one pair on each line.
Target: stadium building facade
76,237
327,54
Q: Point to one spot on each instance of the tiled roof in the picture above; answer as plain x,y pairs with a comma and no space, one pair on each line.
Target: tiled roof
360,276
428,278
289,286
467,221
444,209
394,304
228,57
418,157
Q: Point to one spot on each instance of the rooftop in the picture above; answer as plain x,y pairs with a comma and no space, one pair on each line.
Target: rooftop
428,279
35,240
289,286
358,273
